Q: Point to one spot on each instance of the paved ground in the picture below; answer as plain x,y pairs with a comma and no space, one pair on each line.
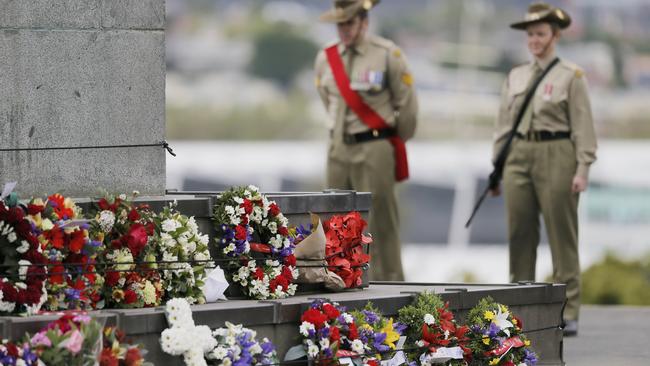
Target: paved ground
617,335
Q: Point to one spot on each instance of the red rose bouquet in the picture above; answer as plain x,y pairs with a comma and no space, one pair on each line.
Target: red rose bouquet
129,260
345,247
23,269
73,282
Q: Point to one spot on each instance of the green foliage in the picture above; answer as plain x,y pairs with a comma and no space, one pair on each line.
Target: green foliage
617,282
281,53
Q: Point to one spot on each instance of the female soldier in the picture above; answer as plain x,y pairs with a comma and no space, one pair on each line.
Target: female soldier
549,160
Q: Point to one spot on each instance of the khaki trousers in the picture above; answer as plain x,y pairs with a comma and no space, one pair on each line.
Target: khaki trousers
370,167
537,178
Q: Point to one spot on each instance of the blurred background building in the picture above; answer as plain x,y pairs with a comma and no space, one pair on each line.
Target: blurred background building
242,109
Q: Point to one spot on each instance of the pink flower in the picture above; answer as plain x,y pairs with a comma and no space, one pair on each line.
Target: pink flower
81,318
40,339
73,344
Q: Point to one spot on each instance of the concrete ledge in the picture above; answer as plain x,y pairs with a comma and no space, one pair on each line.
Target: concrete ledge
279,319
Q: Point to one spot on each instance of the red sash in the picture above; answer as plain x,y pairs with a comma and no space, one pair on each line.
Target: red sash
366,114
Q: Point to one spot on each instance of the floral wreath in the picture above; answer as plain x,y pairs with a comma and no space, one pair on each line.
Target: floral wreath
23,261
495,336
378,334
131,276
344,248
73,282
252,234
178,240
328,332
433,333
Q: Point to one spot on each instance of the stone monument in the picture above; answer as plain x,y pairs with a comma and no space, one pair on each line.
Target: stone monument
82,73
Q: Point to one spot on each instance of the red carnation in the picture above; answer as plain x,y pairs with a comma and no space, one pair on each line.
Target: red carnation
331,311
241,233
130,297
107,358
56,273
248,206
77,240
282,230
134,215
112,278
315,317
12,350
34,210
259,273
353,333
274,209
136,239
334,334
55,237
133,357
290,260
103,204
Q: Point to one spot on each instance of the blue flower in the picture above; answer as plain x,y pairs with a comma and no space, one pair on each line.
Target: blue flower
530,358
371,317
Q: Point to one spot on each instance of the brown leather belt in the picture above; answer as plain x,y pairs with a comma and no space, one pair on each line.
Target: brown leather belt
368,136
544,135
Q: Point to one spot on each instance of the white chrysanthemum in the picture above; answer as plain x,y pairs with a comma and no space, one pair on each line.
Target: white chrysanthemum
219,353
305,327
348,318
23,247
312,351
194,357
429,319
11,237
170,225
203,335
357,346
149,293
106,220
22,269
124,256
175,341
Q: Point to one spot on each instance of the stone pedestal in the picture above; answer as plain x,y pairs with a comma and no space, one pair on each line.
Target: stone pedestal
82,73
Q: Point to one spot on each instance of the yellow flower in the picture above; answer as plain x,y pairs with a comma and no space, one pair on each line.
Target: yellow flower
488,315
504,309
486,340
494,361
391,335
526,343
118,295
514,321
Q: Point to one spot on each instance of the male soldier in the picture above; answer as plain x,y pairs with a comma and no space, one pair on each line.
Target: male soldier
368,93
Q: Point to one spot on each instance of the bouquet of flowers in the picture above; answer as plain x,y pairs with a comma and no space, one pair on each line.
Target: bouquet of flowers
310,255
73,282
13,354
495,336
378,334
433,333
117,351
253,234
23,270
131,276
328,332
184,253
237,345
73,340
344,248
183,337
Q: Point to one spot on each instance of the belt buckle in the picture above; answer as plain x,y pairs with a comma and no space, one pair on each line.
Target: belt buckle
375,133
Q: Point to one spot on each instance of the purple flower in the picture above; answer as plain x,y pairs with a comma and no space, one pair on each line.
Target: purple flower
530,358
327,353
267,347
493,330
399,327
371,317
378,342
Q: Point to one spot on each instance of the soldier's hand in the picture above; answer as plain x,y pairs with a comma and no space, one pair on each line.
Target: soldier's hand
495,192
579,184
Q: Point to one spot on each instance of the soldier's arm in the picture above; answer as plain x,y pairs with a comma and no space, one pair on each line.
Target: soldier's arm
319,70
582,125
503,125
405,104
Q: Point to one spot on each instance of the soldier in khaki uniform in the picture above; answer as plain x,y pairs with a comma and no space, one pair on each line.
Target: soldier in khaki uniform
361,157
548,164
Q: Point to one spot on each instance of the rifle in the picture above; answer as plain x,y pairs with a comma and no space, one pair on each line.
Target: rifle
497,173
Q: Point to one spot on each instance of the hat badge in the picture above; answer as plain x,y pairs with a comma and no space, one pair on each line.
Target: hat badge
367,4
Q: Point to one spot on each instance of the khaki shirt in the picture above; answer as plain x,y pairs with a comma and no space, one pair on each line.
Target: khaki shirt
378,71
561,103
